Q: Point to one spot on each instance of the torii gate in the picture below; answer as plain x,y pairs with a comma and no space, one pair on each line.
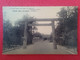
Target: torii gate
51,24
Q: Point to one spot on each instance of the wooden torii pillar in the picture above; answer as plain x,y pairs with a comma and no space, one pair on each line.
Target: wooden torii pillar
25,36
53,35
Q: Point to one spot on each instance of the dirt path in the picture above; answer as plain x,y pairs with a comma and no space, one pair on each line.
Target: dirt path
40,47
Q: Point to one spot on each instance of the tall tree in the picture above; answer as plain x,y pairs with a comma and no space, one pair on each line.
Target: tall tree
66,30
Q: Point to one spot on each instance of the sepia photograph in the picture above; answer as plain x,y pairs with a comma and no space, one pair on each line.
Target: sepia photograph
40,29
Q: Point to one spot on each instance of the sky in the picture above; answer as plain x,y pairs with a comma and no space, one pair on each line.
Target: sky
16,13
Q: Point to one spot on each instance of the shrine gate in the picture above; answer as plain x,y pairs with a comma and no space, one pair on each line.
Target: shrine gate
50,24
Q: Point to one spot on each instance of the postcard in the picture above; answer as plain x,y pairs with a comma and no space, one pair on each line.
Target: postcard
40,29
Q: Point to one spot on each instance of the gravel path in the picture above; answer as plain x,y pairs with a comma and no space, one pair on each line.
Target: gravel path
39,47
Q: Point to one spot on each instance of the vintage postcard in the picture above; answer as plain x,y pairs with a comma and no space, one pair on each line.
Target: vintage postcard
40,29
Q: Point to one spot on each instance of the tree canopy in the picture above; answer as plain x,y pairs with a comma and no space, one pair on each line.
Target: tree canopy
66,31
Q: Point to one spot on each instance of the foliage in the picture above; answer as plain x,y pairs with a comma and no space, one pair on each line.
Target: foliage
66,31
11,35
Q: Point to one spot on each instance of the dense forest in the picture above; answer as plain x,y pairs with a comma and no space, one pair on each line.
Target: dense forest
66,31
12,35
